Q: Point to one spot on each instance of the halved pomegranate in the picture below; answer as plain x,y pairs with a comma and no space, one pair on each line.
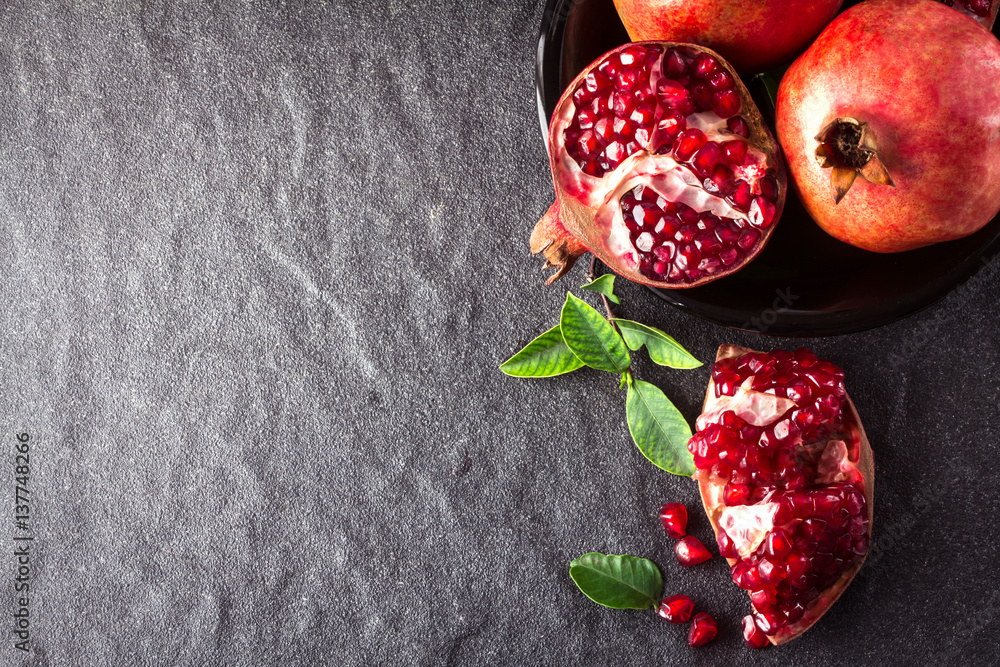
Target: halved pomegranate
663,168
786,475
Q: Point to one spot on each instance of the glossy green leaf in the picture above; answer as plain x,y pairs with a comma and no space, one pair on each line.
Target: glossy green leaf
543,357
771,80
604,285
662,349
658,428
592,338
619,582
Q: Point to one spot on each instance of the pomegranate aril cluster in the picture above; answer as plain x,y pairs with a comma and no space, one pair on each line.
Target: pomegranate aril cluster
763,456
817,535
664,102
615,111
677,243
816,525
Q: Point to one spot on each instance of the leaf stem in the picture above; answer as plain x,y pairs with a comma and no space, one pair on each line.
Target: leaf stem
607,303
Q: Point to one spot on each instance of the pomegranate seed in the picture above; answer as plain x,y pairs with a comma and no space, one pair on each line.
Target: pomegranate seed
726,103
595,83
705,66
762,598
738,126
741,197
727,549
623,104
777,544
672,125
674,96
735,151
761,213
720,183
609,67
642,115
674,517
728,256
628,79
588,143
674,64
721,80
615,152
603,104
748,239
688,215
736,494
752,635
704,161
624,128
769,190
688,143
690,551
770,573
604,129
631,55
703,629
702,96
676,608
768,622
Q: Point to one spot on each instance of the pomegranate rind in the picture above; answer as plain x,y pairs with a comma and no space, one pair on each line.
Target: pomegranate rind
711,500
579,195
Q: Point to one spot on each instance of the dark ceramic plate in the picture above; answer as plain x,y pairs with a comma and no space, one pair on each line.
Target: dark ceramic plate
805,283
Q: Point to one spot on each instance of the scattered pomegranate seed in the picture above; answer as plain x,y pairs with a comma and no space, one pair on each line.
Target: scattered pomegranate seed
690,551
674,517
703,629
676,608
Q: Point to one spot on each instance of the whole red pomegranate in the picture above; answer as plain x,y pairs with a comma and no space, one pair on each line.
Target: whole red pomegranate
786,476
753,35
663,168
890,126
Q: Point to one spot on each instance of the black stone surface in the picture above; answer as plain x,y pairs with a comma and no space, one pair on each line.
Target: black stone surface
260,262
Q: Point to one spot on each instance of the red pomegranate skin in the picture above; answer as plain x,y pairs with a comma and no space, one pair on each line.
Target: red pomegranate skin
926,80
753,36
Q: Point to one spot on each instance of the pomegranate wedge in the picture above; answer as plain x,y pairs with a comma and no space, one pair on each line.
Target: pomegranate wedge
780,429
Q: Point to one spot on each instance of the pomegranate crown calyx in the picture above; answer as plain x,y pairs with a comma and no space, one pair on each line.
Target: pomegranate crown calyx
847,146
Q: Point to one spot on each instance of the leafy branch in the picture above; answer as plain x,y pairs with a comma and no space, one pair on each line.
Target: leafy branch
584,337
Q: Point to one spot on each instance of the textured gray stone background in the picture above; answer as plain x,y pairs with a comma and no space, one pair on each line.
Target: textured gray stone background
260,262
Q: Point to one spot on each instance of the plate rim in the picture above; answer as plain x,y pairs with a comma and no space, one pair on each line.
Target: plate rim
548,67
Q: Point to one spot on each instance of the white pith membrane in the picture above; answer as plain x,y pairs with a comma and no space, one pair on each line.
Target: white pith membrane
672,180
747,526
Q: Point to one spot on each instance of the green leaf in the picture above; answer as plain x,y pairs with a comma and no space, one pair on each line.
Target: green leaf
604,285
662,349
659,429
591,337
619,582
543,357
771,81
